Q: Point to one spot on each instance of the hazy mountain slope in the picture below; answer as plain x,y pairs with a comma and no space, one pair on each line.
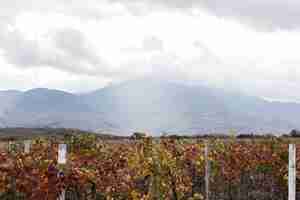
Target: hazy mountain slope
148,105
167,106
46,100
52,108
8,99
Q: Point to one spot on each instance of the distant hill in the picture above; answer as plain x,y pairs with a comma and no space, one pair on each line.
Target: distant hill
39,108
46,100
148,105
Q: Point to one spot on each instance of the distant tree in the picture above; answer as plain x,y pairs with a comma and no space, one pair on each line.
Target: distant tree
138,135
295,133
251,135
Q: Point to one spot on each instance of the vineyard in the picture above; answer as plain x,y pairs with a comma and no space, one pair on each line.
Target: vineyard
146,168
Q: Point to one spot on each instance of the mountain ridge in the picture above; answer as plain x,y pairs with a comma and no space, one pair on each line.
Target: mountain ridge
148,105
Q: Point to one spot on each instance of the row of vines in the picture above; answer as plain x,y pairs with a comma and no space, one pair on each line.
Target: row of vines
164,169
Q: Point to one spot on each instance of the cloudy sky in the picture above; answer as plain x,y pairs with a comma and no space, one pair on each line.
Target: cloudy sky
79,45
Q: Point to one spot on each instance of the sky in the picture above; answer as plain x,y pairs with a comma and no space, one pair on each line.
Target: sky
79,46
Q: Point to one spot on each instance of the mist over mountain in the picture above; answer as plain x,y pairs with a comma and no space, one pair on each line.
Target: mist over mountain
149,105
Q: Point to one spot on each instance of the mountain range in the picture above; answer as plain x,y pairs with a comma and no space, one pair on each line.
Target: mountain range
148,105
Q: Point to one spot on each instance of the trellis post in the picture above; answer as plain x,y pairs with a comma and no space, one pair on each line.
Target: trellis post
207,169
156,194
62,160
292,172
10,144
27,144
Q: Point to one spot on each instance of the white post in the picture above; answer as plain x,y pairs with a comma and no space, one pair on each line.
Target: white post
27,144
62,154
62,195
292,172
10,143
207,170
62,159
3,146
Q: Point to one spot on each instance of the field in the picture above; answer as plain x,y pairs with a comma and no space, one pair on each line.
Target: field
145,168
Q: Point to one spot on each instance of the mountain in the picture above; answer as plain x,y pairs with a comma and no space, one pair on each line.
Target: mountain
46,100
7,101
152,105
162,106
43,107
149,105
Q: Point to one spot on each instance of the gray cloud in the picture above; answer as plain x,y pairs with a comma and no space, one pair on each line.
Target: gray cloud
149,44
153,44
168,65
18,50
90,9
262,14
73,43
71,52
267,15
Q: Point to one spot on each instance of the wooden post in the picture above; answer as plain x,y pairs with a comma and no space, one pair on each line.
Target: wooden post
62,160
207,170
292,172
3,146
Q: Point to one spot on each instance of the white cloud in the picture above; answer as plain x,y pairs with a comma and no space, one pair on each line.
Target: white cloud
54,44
